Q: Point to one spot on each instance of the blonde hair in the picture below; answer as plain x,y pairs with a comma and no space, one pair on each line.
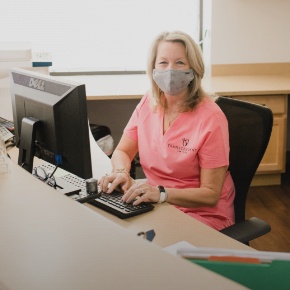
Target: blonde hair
194,57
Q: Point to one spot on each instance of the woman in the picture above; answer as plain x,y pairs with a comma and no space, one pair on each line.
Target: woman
181,136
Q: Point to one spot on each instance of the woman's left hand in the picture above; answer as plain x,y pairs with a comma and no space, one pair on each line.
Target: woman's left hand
140,191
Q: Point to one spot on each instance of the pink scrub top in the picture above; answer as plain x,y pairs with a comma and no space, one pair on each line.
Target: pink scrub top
196,139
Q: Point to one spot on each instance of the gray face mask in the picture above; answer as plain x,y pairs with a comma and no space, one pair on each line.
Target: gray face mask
172,82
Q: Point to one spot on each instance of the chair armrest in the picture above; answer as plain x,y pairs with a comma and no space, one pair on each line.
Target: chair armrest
247,230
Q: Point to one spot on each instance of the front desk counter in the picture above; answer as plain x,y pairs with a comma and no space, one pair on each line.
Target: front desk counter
172,226
49,241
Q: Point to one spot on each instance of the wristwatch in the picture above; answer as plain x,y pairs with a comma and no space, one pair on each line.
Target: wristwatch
163,194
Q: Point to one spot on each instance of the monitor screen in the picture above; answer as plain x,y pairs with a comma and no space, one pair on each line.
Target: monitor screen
50,121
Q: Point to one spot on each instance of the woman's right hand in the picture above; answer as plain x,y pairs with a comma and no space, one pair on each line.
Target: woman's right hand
112,181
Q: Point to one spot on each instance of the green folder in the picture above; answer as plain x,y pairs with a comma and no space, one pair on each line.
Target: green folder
273,275
257,270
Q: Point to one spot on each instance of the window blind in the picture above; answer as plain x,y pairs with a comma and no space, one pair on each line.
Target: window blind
96,34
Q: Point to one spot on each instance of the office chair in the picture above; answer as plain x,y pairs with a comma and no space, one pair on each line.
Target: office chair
250,127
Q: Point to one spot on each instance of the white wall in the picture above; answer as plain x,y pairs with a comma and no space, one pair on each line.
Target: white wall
250,31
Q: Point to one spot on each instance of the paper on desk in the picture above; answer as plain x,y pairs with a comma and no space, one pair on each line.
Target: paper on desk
175,248
204,253
101,163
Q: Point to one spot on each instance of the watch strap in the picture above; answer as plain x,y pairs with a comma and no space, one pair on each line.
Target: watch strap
163,194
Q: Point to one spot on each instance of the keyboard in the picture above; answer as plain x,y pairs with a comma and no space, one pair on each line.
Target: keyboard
75,188
113,204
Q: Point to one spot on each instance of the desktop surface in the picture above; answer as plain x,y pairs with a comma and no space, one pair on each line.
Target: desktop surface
48,241
170,224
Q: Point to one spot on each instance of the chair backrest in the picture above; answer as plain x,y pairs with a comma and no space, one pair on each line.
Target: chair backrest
250,127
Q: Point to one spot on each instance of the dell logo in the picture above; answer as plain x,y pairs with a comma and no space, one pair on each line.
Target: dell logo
37,84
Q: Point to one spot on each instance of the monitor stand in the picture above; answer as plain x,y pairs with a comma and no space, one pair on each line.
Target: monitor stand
27,143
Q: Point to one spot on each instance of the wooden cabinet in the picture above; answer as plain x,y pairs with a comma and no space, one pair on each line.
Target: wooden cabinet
273,162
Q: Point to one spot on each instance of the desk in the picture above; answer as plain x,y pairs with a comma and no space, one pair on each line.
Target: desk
49,241
172,226
124,87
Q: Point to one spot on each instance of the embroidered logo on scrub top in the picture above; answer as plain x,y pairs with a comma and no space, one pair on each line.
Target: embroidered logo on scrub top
182,148
185,141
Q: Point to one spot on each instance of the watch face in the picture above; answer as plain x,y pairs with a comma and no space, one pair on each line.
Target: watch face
161,188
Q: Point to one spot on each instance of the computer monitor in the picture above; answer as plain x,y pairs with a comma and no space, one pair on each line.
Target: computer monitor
50,121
